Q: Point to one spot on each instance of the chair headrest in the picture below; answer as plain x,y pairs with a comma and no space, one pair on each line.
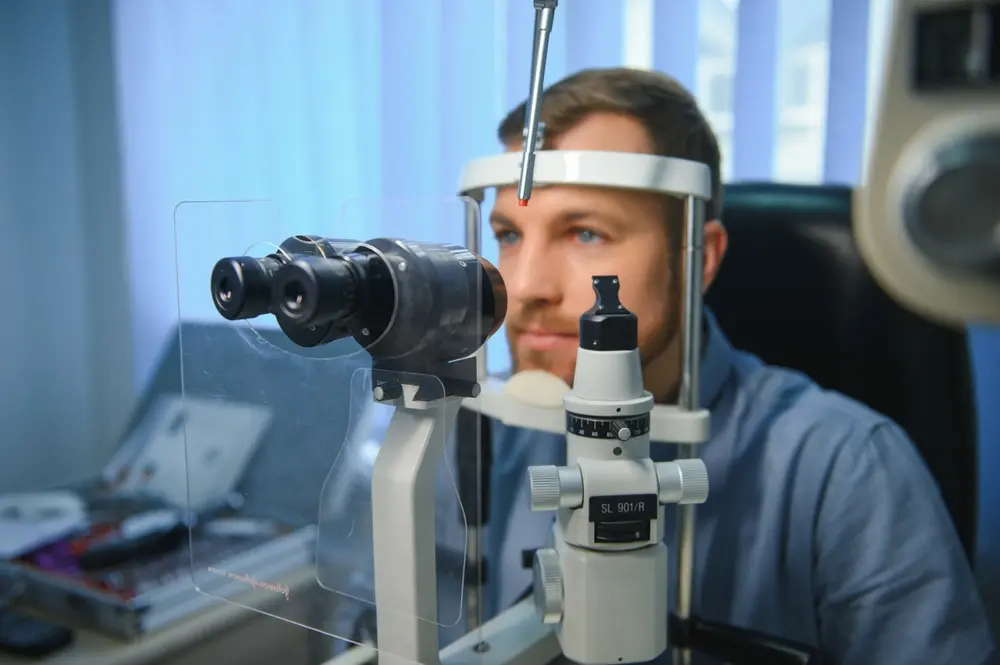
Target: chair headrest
793,264
794,290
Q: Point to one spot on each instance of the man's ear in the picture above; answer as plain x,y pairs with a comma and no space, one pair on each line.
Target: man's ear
716,243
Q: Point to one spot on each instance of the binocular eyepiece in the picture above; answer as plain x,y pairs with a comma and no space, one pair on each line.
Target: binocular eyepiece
394,297
241,286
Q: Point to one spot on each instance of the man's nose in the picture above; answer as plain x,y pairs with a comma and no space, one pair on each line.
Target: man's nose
534,275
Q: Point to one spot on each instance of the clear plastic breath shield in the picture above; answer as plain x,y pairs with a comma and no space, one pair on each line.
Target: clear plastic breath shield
355,354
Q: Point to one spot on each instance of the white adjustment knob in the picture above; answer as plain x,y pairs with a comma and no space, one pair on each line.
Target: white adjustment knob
543,483
555,487
621,430
548,585
683,481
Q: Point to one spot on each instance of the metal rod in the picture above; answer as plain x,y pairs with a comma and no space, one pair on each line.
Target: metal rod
474,597
474,243
544,14
474,545
694,261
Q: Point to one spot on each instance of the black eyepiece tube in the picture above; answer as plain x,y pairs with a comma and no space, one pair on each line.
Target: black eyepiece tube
241,286
316,290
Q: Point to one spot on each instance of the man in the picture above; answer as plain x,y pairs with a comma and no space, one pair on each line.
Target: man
823,525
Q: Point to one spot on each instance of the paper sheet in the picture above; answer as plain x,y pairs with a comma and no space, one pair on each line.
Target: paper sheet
29,521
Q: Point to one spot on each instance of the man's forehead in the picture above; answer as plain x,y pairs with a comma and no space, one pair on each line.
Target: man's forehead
600,131
556,194
559,203
613,132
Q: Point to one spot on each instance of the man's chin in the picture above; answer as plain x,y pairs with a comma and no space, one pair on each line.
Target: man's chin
557,369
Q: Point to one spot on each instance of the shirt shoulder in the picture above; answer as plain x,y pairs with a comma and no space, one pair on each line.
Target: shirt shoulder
888,577
786,416
787,391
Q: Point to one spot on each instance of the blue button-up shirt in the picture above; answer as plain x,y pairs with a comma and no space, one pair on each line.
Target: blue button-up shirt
823,524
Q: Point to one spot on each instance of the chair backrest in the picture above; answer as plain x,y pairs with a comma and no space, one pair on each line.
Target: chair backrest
794,290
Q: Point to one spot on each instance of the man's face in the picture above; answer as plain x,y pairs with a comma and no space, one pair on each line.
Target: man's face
551,248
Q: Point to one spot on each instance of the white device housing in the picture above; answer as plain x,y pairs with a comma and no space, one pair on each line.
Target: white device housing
912,131
609,599
615,603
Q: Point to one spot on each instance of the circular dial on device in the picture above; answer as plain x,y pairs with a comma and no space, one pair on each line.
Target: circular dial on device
613,428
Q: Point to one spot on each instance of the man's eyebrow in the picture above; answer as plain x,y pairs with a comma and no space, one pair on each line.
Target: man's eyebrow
572,216
576,216
567,217
497,219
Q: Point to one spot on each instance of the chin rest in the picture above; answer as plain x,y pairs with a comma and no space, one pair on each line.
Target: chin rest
794,291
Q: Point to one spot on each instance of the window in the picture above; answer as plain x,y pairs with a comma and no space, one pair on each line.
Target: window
720,94
803,74
800,158
715,71
797,86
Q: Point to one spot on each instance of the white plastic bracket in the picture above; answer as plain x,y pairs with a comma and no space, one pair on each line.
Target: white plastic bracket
404,537
668,423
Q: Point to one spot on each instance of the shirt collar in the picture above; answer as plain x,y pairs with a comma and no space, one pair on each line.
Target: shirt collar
716,361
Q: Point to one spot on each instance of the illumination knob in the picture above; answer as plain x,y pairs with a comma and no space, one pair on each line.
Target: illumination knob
682,481
555,487
622,431
548,585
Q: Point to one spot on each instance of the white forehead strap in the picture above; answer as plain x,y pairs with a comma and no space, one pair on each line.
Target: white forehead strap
591,168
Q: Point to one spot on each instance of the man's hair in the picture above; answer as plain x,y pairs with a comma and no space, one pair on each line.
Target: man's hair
668,112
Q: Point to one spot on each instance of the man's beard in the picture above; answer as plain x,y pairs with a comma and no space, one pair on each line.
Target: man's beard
533,360
564,368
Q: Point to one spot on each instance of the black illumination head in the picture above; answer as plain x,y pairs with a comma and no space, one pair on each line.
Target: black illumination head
608,326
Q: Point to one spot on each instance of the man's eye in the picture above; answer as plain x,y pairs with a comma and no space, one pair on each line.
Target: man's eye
506,237
587,236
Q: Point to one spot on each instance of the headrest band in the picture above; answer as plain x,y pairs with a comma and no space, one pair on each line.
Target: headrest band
593,168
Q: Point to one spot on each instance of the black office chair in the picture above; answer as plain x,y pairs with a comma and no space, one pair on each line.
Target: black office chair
794,291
